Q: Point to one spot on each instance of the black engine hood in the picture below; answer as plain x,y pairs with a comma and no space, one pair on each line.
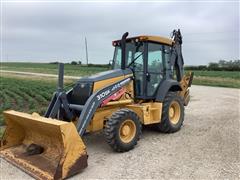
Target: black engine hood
106,75
84,86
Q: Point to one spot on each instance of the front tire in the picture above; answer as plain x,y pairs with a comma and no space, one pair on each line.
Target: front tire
172,114
122,130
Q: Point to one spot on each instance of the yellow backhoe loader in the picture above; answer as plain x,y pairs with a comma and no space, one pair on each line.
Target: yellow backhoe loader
146,86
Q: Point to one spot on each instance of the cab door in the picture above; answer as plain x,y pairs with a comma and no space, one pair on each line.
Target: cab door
139,70
155,68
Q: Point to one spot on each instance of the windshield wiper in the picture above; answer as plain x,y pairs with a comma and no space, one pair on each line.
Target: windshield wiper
134,59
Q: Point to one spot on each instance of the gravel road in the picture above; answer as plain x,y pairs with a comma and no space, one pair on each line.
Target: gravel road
207,146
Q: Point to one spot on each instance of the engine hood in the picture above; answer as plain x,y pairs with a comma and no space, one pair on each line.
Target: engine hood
86,85
106,75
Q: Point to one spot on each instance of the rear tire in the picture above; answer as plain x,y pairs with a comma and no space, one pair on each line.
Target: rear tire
122,130
172,114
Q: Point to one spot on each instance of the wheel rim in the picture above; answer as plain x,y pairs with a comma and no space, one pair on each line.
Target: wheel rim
174,112
127,131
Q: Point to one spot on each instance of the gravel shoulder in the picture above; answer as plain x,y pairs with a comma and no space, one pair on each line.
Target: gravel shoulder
207,146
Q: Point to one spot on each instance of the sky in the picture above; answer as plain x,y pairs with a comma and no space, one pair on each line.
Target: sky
55,31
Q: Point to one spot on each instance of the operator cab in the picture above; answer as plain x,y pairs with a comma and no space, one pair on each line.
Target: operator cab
148,57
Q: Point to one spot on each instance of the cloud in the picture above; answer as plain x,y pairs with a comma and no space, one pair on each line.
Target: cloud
44,32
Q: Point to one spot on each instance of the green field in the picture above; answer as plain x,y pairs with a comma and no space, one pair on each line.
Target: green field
209,78
217,78
71,70
31,94
218,74
25,95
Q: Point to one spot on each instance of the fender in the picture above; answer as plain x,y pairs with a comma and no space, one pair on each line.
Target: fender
165,86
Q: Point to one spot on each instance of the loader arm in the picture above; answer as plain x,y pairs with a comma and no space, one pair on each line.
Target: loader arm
94,102
59,104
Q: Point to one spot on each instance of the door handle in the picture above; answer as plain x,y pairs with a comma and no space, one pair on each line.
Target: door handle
148,76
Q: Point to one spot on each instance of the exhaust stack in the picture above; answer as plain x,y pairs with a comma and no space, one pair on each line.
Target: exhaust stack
123,46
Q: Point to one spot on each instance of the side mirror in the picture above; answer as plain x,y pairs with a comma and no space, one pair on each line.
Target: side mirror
110,62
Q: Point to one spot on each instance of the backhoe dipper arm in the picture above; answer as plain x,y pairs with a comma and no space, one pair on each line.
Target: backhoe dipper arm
94,102
176,60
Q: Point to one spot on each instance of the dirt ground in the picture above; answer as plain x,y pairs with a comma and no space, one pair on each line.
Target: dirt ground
207,146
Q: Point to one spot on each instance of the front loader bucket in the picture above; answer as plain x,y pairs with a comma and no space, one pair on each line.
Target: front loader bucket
42,147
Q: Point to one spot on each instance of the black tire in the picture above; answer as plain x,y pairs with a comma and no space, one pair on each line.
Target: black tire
113,129
166,125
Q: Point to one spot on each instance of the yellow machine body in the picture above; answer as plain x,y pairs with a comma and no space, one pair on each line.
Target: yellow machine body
149,112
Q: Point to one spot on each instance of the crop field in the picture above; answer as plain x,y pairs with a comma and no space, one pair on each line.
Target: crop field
25,95
31,94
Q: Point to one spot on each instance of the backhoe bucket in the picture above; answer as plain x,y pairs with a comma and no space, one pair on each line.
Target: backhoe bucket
42,147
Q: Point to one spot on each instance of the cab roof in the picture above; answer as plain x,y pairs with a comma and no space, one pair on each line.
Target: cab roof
156,39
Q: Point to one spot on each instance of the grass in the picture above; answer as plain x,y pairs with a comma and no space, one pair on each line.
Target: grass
83,70
1,131
209,78
229,79
216,81
218,74
70,70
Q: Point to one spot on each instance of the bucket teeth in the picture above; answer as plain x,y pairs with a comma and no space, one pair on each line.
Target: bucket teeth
42,147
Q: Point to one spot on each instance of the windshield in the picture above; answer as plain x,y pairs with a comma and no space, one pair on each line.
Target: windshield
134,55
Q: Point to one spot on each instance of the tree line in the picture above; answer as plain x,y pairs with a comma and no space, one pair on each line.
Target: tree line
221,65
79,63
